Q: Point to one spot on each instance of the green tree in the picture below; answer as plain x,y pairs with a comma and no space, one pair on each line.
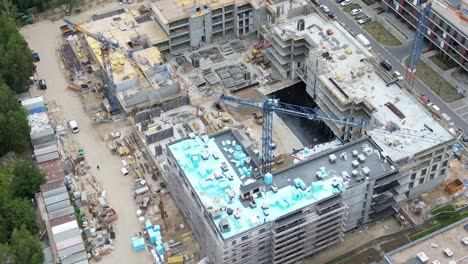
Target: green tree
26,247
6,254
14,127
27,179
16,62
18,212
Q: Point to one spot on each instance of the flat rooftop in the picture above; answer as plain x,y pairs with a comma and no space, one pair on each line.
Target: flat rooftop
220,170
358,82
125,28
433,246
173,10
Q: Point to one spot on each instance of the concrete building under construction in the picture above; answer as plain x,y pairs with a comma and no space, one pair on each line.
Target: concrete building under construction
189,24
136,84
242,216
342,78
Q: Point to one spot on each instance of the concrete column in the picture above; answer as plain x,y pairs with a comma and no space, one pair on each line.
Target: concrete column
414,19
448,41
431,36
461,58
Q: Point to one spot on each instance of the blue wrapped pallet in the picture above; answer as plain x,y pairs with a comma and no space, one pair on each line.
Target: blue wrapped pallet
152,236
148,224
138,243
156,228
160,250
268,178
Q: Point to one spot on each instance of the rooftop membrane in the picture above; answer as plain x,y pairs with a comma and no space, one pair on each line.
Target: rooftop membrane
297,186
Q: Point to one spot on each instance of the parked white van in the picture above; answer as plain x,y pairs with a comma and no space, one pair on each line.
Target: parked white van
73,126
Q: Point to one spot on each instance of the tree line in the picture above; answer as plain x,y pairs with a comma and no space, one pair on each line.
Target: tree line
19,177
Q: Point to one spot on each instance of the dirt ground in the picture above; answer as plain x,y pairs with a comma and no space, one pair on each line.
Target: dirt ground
44,38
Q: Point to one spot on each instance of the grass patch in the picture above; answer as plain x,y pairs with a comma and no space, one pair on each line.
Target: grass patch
443,222
366,256
396,243
381,34
442,64
368,2
445,208
438,84
379,10
348,9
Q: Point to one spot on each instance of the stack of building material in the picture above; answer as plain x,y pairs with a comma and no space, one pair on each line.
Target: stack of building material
43,138
138,243
34,105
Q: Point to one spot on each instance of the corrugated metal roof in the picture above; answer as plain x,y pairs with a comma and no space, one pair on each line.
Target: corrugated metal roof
64,227
56,198
71,250
61,212
76,258
52,169
62,220
67,234
56,191
68,243
57,206
51,185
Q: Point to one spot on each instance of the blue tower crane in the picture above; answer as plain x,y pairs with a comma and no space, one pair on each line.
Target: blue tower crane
418,42
270,105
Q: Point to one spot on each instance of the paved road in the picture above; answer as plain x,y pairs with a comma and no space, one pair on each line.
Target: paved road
395,55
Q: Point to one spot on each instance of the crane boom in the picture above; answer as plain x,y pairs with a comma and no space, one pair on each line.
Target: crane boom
270,105
418,42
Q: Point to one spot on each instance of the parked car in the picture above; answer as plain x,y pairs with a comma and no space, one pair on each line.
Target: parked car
397,74
316,2
339,1
356,11
346,2
331,15
36,57
386,65
42,84
325,8
365,20
360,16
73,126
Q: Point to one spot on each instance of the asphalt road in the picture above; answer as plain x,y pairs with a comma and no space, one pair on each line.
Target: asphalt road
396,56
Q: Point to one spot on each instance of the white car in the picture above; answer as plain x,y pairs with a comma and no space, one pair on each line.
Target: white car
325,8
346,2
397,74
356,11
73,126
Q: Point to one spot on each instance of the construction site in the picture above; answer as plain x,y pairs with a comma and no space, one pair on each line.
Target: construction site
223,132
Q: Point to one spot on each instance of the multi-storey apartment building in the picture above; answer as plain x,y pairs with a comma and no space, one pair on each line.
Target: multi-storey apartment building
190,24
447,26
242,216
